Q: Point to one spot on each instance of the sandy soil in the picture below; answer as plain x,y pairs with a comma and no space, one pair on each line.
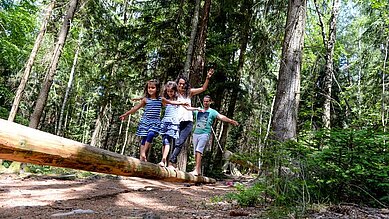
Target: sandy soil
115,197
131,197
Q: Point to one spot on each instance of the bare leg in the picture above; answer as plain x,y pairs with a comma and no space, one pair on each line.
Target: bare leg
143,151
146,149
165,152
197,170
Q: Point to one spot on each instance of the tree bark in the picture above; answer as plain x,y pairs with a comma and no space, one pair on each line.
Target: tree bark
30,62
198,58
284,123
195,21
329,58
97,132
23,144
383,111
42,98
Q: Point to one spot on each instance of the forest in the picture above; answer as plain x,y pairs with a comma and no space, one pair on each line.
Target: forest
307,81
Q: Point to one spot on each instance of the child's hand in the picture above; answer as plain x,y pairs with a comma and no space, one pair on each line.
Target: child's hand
185,104
136,98
210,73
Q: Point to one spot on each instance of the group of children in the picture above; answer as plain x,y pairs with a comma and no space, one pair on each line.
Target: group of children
177,122
150,124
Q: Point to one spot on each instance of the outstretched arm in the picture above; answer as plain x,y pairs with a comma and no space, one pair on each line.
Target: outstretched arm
195,91
226,119
133,109
137,98
193,108
167,101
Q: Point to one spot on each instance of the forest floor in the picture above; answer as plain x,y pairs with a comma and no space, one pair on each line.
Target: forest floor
101,196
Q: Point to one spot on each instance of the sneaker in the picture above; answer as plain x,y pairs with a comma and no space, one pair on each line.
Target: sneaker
162,164
171,167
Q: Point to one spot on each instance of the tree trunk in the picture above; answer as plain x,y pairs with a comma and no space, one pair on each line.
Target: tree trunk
383,110
284,123
42,98
96,136
23,144
198,58
126,135
30,62
69,87
197,61
329,66
195,21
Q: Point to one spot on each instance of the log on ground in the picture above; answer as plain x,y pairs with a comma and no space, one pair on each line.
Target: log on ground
24,144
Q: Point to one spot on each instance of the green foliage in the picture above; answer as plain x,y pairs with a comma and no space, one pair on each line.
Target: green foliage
17,21
4,113
5,93
117,56
327,166
6,163
349,165
247,196
49,170
39,169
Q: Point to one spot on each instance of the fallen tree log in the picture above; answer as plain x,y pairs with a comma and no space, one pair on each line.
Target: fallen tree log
27,145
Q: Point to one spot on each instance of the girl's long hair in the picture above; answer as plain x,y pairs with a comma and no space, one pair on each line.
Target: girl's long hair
157,85
187,86
170,85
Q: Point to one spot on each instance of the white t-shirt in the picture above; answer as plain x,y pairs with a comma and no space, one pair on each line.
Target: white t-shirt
182,113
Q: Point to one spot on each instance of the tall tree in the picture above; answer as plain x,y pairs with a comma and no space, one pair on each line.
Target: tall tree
189,53
196,61
284,122
329,40
198,58
69,87
30,62
384,93
42,98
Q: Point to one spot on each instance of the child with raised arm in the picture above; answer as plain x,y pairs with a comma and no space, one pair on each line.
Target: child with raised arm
185,93
149,124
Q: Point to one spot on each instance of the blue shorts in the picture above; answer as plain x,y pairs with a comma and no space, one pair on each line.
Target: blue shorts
149,138
166,139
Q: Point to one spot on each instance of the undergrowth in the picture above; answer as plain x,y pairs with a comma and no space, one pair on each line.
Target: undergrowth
331,167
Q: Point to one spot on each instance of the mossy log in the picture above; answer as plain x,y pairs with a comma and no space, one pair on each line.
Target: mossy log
24,144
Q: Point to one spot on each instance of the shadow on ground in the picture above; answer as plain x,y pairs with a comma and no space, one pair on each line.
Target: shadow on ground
104,196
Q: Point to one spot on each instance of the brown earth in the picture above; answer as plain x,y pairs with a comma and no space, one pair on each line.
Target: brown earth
130,197
113,197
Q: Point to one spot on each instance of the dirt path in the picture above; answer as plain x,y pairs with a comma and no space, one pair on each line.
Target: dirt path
116,197
131,197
